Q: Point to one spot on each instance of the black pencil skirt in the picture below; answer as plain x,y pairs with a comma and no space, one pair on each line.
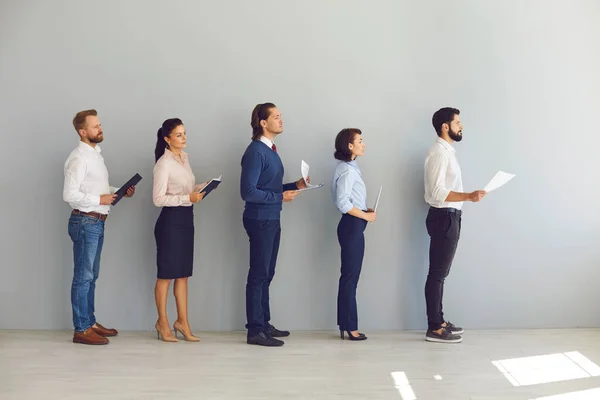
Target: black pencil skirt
174,234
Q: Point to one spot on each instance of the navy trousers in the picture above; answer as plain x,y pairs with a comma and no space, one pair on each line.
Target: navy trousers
264,238
351,237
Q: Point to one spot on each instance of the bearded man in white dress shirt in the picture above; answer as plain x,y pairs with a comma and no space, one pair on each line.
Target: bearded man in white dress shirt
445,196
87,191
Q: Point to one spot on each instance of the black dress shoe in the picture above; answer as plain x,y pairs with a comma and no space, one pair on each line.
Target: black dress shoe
361,336
274,332
262,339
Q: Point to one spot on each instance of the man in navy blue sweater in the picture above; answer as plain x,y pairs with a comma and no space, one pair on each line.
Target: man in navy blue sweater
262,188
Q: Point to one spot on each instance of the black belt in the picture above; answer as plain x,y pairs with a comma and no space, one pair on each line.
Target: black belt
447,210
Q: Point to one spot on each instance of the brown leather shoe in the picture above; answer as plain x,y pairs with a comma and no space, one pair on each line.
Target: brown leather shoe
89,337
102,331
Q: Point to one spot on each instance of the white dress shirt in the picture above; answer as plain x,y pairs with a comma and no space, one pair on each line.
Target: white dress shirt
442,175
86,179
266,141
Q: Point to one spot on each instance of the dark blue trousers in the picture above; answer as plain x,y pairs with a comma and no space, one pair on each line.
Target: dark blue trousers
264,238
351,237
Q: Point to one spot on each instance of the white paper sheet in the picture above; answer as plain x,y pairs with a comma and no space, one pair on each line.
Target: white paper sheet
500,179
378,197
304,169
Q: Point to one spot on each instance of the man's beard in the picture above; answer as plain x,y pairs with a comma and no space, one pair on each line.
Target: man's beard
455,136
98,139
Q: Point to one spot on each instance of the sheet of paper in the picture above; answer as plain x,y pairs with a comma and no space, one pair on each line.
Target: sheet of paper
304,169
500,179
378,197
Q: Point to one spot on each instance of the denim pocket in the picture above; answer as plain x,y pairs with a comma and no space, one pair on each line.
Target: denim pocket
73,230
91,221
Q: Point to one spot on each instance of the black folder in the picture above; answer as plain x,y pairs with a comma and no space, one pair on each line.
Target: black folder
212,185
123,189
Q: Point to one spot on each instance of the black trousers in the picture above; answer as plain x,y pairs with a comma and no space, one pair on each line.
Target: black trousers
264,238
352,242
443,227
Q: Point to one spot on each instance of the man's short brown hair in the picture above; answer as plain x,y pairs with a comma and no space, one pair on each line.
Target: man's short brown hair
79,120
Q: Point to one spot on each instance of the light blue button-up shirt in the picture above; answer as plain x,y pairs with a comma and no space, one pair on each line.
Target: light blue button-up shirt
348,188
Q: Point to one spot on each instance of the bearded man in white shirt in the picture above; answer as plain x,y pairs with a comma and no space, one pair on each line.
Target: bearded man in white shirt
87,191
445,196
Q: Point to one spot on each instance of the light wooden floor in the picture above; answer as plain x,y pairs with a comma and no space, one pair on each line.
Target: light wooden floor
311,365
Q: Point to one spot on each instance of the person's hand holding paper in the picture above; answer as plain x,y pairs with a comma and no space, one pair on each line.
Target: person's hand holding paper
304,183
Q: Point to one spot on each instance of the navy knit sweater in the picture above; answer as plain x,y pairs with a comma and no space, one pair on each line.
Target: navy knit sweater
261,183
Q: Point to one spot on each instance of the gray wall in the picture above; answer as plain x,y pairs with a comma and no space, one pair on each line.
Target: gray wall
524,74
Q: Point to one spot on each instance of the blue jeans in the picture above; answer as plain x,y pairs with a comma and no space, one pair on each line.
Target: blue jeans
87,234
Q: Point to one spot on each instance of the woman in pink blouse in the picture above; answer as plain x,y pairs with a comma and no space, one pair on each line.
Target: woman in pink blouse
174,190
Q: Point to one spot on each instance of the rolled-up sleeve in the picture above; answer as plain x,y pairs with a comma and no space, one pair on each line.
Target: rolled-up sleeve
435,175
343,192
74,175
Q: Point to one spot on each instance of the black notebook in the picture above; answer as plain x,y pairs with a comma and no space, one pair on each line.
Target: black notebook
123,189
212,185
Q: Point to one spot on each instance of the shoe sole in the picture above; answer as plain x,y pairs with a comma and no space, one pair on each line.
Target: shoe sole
436,340
90,344
266,345
458,332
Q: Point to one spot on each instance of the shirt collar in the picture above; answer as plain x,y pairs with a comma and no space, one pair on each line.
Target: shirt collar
266,141
85,146
172,155
445,145
354,164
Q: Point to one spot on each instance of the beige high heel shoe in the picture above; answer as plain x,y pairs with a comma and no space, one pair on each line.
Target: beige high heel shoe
187,336
164,338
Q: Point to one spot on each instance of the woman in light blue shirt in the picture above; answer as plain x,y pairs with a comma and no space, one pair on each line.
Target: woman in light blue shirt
350,197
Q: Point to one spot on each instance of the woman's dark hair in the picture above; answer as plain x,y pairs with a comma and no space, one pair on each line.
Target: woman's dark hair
342,140
260,112
163,132
443,116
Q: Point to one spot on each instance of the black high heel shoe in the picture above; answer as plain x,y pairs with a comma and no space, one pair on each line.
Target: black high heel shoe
361,336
